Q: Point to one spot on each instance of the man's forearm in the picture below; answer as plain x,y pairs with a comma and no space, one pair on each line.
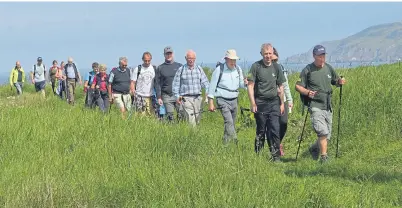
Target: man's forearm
250,90
302,90
110,90
281,94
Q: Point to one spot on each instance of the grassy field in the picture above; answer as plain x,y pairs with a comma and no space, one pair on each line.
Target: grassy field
55,155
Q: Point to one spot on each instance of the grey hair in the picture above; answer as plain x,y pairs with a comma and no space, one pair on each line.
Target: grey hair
266,46
191,51
122,59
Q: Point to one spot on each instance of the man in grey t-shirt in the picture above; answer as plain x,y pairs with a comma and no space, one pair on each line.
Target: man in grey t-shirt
38,75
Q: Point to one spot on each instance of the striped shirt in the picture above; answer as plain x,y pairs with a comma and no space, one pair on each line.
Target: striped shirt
189,81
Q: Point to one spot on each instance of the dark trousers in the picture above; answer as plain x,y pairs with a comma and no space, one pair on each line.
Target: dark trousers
283,122
102,99
90,100
53,81
267,120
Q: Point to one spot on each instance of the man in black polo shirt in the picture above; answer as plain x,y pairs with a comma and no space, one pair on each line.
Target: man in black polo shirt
264,79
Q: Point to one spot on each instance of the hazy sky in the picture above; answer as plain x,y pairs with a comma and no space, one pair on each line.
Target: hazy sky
104,31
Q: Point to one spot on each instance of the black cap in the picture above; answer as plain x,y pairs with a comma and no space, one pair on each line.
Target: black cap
39,59
319,50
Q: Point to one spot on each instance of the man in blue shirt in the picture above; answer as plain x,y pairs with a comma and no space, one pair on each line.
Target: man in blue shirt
187,84
89,78
226,92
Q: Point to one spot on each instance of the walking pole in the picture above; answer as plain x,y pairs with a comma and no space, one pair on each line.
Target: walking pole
339,120
301,136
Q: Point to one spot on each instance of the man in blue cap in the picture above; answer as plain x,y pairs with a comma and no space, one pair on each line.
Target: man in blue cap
315,85
38,76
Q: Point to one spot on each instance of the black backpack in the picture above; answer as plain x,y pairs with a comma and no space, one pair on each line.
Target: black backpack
75,71
221,67
44,69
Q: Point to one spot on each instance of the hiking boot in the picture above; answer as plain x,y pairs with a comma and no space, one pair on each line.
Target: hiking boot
281,150
323,159
276,159
314,152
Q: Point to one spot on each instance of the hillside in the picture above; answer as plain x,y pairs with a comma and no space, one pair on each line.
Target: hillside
55,155
381,43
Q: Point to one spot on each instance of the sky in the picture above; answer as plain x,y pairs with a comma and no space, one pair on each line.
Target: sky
104,31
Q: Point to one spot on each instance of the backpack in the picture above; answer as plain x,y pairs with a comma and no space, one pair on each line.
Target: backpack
91,77
306,100
44,69
75,71
221,65
99,81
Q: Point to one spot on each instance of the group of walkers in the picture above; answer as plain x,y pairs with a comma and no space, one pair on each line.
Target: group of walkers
173,87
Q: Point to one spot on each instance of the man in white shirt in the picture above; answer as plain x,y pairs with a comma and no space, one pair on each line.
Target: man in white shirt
38,76
143,77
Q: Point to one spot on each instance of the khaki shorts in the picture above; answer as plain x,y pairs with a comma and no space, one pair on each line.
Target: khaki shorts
322,122
122,101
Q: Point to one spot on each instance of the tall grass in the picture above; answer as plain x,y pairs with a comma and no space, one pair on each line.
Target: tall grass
56,155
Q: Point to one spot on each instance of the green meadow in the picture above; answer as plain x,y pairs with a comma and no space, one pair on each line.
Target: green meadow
56,155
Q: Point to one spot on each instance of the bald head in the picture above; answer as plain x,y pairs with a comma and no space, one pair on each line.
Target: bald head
18,64
190,58
70,60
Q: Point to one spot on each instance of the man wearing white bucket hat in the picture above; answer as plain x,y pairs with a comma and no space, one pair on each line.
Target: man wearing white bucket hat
226,80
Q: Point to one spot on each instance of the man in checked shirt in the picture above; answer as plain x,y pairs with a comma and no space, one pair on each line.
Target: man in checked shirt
188,82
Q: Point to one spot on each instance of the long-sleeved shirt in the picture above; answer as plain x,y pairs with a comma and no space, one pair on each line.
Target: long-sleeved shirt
15,75
189,81
164,78
229,84
288,95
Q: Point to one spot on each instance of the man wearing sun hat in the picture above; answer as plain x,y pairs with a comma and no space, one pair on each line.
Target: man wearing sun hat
226,80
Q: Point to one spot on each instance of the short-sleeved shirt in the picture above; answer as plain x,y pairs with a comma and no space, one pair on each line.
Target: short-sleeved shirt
266,79
145,82
321,80
90,77
39,72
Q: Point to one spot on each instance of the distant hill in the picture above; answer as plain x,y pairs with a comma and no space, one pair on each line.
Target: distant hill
380,43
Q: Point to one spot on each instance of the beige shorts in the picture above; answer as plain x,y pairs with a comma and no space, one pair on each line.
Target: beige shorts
122,101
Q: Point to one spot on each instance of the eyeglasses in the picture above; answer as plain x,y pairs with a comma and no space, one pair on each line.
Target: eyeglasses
124,66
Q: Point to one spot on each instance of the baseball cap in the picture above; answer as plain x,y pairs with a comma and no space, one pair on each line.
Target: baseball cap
319,50
168,49
39,59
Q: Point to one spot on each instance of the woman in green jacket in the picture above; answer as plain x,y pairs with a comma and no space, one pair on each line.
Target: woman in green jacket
17,77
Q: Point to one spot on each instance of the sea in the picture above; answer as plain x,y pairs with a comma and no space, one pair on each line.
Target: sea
290,67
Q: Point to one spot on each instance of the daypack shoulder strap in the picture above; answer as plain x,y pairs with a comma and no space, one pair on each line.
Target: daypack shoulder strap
221,68
139,71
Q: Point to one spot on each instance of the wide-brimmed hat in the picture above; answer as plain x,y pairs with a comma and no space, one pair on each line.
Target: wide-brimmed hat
231,54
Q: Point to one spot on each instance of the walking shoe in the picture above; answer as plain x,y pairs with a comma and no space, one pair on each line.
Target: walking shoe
281,150
276,159
323,159
314,152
